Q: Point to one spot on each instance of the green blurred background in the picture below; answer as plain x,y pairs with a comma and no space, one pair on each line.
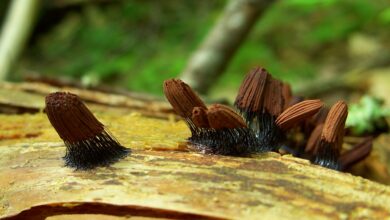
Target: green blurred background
136,44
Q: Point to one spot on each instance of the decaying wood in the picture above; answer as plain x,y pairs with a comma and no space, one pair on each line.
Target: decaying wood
177,184
131,130
173,184
29,97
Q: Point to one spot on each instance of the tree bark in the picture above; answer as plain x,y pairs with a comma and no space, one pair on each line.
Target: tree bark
213,56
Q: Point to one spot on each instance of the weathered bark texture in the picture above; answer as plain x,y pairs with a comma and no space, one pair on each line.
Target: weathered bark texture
29,97
213,56
163,179
34,184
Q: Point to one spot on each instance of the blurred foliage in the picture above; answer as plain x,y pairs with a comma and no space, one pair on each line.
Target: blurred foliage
3,8
297,40
137,44
367,116
385,16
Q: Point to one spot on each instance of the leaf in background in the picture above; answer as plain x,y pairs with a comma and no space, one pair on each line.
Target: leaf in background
384,16
367,116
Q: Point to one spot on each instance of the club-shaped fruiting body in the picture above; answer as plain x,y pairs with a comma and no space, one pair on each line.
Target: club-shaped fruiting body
260,99
331,139
356,154
298,113
223,131
88,144
183,100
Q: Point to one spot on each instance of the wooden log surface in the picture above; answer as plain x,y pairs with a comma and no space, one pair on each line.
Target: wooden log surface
162,179
29,97
34,183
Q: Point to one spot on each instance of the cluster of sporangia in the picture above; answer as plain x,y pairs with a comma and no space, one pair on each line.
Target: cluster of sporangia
267,115
87,143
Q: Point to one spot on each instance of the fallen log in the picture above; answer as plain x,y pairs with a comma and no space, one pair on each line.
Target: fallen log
162,178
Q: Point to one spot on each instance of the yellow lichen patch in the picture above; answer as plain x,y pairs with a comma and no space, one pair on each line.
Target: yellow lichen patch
140,132
132,130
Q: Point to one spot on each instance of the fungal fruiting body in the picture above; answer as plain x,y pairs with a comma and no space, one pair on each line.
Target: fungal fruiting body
265,102
183,100
226,132
356,154
217,129
267,114
331,139
298,112
260,100
88,144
